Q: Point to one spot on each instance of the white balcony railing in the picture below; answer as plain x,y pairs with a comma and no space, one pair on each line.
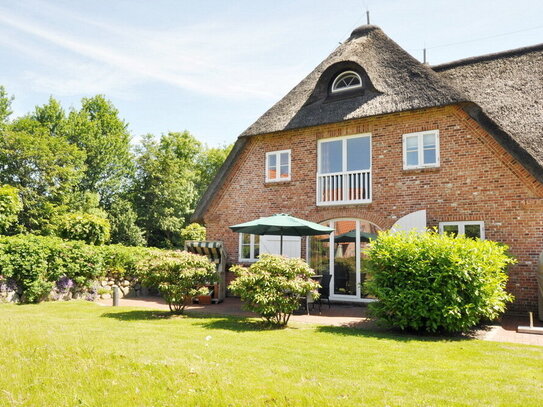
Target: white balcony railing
348,187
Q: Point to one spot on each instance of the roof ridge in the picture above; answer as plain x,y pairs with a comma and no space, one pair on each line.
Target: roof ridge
487,57
363,30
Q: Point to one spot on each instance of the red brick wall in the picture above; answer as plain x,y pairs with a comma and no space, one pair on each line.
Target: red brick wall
477,180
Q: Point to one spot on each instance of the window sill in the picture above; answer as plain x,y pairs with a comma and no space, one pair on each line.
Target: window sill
344,203
278,182
422,169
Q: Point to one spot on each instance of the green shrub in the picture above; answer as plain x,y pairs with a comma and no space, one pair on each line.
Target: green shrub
36,264
10,206
430,282
25,262
272,286
124,262
194,231
178,276
89,228
75,260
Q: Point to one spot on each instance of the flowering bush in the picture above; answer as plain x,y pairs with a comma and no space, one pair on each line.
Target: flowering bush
272,286
179,276
430,282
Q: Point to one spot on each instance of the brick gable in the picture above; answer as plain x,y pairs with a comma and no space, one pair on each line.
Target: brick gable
477,180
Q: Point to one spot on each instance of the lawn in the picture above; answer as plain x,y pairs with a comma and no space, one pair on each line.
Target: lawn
77,353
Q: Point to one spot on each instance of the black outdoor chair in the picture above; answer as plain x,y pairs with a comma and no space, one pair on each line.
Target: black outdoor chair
324,291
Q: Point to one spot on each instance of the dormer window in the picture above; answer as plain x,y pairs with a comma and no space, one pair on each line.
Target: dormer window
346,81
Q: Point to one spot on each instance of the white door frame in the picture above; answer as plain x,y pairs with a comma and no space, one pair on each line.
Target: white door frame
343,297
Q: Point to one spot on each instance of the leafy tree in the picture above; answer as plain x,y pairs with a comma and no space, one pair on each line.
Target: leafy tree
91,229
194,231
46,170
5,106
208,163
52,117
124,230
10,206
98,130
165,189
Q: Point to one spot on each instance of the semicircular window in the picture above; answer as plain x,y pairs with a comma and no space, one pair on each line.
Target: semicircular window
345,81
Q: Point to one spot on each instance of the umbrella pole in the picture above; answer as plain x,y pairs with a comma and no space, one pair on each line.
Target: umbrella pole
281,246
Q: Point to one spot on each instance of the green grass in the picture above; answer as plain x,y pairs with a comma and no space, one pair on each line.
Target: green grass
76,353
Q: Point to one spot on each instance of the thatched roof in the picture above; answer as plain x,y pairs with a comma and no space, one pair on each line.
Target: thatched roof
397,82
503,90
508,86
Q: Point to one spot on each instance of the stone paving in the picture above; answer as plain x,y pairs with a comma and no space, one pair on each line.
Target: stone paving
338,315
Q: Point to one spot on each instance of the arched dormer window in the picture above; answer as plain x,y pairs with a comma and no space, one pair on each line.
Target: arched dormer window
346,81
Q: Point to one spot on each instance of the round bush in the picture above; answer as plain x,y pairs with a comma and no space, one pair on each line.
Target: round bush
431,282
179,276
272,286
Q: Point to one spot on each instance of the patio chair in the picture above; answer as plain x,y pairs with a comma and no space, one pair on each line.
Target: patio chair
324,291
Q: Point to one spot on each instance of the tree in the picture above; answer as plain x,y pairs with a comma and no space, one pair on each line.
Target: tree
98,130
52,117
124,230
194,231
10,206
5,106
91,229
208,163
46,170
165,189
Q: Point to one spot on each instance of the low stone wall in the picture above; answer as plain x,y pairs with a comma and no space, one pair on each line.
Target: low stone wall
65,290
129,287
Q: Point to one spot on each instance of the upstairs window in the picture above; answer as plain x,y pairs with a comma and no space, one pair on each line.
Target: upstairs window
345,81
278,166
421,150
344,170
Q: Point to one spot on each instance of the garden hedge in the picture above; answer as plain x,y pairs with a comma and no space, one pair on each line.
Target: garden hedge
36,268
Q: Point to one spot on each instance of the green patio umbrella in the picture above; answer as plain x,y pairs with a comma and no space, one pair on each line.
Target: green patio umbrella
350,237
282,225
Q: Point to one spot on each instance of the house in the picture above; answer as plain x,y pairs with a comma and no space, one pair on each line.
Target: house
373,139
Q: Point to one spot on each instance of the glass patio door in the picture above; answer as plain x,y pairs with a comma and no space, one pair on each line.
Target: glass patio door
341,255
345,259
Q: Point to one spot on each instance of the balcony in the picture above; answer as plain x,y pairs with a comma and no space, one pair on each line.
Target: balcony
342,188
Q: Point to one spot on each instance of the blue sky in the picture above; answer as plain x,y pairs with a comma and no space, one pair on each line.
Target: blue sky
213,67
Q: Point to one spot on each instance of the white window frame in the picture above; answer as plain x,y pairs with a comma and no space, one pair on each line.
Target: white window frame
344,166
462,225
251,257
420,149
340,76
278,164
